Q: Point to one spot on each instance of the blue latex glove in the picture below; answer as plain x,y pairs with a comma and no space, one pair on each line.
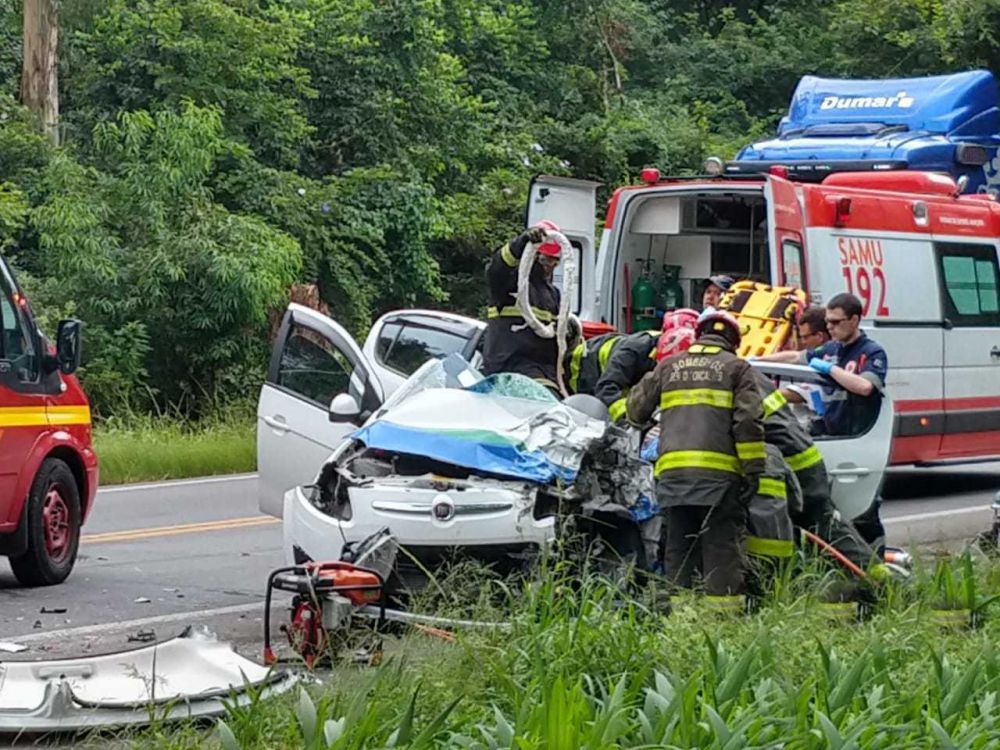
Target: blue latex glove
821,365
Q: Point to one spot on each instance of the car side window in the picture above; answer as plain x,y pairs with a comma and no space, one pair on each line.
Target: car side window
969,276
16,346
415,344
312,367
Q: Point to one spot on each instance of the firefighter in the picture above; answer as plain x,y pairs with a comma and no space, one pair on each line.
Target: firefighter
818,515
509,344
711,441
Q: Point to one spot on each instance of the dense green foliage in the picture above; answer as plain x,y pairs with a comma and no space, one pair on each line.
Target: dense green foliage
216,151
584,665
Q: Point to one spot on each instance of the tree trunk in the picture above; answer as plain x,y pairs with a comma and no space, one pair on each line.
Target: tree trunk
39,74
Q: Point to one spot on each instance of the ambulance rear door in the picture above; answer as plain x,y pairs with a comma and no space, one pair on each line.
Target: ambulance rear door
786,234
572,204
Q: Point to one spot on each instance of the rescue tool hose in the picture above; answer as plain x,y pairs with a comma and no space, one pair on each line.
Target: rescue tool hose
835,553
571,263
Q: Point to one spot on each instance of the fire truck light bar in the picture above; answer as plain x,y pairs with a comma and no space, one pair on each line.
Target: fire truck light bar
811,170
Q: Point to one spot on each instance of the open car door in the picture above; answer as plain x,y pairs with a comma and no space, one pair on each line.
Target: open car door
572,204
856,463
314,359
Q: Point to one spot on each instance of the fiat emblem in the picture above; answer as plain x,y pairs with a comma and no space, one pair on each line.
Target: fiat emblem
443,509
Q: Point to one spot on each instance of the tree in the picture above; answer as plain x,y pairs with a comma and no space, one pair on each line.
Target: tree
39,72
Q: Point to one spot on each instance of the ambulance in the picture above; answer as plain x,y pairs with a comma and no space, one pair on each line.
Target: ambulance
916,246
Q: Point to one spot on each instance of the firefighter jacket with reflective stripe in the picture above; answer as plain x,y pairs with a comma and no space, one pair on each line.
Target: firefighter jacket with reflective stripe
711,415
508,344
587,361
775,496
631,359
783,430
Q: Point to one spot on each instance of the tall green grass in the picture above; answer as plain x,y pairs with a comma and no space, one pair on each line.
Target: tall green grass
152,449
587,665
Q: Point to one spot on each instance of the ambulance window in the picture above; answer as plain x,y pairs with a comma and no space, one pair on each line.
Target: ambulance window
791,264
970,277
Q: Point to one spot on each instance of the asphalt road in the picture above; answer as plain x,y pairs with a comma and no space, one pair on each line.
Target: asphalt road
161,556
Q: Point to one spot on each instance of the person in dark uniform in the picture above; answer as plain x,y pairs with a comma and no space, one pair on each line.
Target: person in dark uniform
859,366
711,442
509,344
608,366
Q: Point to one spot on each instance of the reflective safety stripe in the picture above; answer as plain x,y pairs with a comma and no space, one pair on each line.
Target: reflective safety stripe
513,312
617,409
507,256
697,460
697,397
704,349
604,353
840,610
547,383
773,403
574,365
39,416
772,488
809,457
736,603
757,545
750,451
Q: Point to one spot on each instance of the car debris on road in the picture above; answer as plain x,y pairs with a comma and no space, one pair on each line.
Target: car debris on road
194,675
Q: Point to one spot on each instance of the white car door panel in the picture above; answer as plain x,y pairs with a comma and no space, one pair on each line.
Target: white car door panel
314,359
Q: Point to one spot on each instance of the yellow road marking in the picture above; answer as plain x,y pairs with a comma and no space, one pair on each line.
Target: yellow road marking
131,535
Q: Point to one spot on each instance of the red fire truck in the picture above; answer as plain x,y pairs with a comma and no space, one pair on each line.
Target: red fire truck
922,257
48,470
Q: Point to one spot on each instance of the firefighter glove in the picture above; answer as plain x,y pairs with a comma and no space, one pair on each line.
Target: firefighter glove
821,365
536,235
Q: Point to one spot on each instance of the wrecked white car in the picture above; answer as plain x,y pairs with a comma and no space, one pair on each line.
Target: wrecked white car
453,461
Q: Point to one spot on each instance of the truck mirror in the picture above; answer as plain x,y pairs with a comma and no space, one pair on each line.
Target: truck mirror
68,346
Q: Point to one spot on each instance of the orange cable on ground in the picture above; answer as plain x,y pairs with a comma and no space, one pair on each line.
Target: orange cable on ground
836,554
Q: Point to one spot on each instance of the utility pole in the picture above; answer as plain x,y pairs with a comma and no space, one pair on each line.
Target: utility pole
39,72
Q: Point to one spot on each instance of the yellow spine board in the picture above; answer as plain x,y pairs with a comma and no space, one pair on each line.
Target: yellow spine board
766,313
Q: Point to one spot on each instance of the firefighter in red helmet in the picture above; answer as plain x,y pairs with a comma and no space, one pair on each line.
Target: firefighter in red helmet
711,441
509,344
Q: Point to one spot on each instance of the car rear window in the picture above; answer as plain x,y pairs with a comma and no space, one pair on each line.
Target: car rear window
405,347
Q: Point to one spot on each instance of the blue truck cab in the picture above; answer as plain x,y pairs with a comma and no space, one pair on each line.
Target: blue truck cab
947,123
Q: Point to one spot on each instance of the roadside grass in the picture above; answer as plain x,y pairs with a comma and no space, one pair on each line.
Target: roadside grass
585,664
152,449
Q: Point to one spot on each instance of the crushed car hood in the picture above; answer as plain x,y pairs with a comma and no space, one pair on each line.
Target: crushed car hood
527,439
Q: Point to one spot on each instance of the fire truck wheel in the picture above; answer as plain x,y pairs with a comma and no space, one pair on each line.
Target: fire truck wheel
53,516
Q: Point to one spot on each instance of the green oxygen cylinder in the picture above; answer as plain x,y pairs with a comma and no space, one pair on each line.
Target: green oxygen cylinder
643,302
672,294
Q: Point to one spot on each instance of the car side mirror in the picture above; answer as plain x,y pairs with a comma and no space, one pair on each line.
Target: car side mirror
345,408
68,350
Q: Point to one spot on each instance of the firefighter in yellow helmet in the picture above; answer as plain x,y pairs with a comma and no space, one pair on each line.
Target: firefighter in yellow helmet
711,441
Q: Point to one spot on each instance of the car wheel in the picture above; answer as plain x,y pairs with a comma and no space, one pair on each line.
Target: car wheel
53,518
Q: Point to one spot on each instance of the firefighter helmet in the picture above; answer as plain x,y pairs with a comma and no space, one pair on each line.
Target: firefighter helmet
674,342
549,247
720,323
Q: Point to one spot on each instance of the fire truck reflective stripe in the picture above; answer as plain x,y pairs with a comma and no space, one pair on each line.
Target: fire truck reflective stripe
507,256
772,488
37,416
809,457
773,403
950,423
69,415
617,409
697,460
750,451
697,397
512,312
770,547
